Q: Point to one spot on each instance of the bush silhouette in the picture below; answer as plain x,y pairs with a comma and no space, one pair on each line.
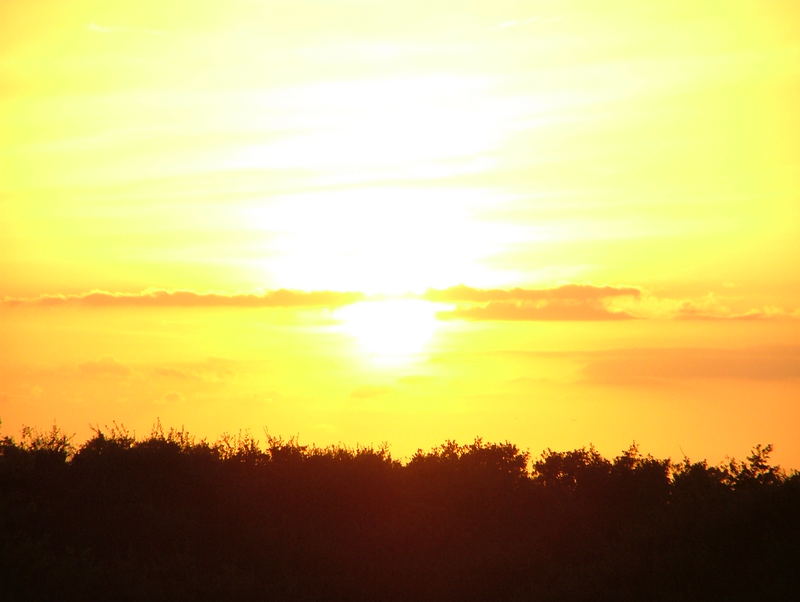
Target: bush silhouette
170,517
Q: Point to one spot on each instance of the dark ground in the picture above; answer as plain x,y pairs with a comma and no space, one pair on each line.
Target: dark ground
168,518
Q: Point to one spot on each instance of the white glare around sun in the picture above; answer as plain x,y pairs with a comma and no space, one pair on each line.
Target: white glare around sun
390,331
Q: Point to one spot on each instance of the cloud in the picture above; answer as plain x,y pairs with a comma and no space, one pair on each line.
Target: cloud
650,366
106,367
163,298
174,373
575,292
555,311
213,369
210,370
173,397
568,302
690,310
368,392
710,306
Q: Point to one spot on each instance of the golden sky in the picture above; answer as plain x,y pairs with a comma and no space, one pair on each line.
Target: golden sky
555,222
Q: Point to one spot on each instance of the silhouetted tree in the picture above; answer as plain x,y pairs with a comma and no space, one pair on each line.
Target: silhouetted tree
170,517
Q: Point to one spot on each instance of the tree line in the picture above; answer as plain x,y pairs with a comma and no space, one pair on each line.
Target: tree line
173,517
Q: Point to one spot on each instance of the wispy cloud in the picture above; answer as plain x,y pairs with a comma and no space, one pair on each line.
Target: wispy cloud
689,310
213,369
657,366
567,303
710,307
163,298
105,367
369,392
651,366
571,302
556,311
575,292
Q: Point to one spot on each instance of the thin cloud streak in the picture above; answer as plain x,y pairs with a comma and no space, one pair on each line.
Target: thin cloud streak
571,302
656,366
163,298
651,366
554,311
576,292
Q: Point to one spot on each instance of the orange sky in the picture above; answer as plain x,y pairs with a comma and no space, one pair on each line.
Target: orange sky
551,222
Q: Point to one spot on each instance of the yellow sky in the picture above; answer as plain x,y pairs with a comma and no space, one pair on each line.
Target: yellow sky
647,152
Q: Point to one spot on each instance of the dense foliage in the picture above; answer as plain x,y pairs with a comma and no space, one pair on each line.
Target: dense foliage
171,518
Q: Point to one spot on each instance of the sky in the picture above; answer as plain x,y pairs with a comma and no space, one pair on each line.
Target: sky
555,223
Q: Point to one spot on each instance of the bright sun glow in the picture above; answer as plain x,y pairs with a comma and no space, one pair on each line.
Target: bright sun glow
392,331
381,240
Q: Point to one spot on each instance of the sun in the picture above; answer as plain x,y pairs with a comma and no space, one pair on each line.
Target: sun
392,331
